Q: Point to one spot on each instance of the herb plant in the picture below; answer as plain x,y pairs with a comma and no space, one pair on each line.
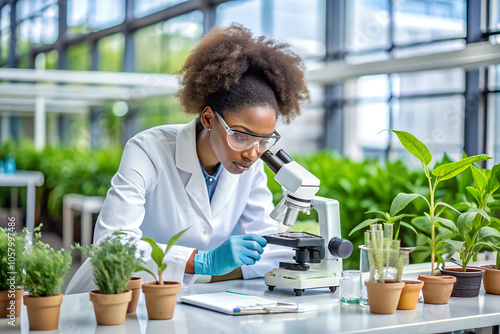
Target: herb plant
12,246
45,269
113,260
439,174
476,229
158,255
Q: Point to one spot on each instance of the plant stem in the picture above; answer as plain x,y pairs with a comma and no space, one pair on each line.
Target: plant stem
160,277
498,259
433,228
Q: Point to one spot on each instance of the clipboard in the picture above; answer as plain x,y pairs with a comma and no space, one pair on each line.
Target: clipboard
234,303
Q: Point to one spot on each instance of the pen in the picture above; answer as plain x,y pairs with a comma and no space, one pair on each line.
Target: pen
237,293
239,309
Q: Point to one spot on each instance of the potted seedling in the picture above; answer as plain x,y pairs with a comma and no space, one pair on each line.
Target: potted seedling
474,230
45,270
436,289
113,260
383,252
11,256
393,220
160,295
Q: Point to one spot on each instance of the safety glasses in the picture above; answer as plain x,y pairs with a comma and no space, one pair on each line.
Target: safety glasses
242,141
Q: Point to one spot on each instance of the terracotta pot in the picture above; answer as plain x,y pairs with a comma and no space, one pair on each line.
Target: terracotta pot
491,280
134,285
383,298
409,295
10,303
110,309
43,312
161,299
437,289
468,283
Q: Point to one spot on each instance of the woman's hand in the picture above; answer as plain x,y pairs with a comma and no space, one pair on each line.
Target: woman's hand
233,253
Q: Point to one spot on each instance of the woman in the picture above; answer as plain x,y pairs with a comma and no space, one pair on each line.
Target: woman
207,175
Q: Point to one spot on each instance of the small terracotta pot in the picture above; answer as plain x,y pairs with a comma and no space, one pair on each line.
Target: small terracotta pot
134,285
468,282
10,303
43,312
409,295
383,298
161,299
491,280
110,309
437,289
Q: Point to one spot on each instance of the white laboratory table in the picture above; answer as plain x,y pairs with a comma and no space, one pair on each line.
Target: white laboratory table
30,180
482,312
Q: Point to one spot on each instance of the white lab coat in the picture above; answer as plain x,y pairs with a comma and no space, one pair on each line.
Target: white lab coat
159,190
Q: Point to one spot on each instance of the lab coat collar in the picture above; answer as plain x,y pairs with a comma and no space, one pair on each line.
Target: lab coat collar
187,159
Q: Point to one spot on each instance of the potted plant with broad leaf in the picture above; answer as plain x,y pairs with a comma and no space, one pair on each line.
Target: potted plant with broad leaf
436,289
475,230
113,260
393,220
383,252
44,272
11,259
160,295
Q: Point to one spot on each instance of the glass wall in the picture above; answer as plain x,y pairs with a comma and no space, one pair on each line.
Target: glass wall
4,34
88,15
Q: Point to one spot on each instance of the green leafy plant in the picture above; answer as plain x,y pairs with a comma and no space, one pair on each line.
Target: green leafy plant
158,255
12,247
392,217
113,260
384,253
440,173
45,268
476,229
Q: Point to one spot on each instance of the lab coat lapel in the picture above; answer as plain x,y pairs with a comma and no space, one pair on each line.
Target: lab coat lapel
187,160
224,190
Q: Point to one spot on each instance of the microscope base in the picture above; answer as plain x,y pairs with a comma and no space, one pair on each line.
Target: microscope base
299,281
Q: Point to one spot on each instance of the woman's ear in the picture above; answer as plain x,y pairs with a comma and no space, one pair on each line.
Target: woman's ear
207,118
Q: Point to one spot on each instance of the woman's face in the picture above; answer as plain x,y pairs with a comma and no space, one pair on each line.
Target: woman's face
255,120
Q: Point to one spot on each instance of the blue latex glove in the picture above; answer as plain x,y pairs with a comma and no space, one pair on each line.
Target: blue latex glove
236,251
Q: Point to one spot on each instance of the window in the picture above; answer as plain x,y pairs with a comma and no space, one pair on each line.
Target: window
4,33
300,23
110,50
79,57
87,15
146,7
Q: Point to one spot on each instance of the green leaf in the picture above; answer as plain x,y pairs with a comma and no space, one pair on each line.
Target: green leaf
486,232
474,192
449,170
448,206
495,172
483,213
162,267
447,223
408,226
464,220
363,224
143,266
414,146
479,178
174,239
401,201
457,245
156,254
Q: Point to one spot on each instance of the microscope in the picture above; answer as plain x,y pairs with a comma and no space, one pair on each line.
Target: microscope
314,267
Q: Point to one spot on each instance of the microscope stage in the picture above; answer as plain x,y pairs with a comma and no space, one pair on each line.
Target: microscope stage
295,239
299,281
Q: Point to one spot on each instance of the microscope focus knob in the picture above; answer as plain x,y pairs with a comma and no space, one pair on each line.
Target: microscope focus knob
340,247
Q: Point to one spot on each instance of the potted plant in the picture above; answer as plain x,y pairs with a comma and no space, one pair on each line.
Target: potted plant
45,270
383,252
134,285
474,231
11,292
394,220
436,289
160,295
113,260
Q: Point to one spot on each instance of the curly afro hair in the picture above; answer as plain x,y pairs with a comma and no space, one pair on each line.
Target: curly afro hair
230,69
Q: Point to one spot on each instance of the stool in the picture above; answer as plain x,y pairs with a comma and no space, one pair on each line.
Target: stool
87,205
